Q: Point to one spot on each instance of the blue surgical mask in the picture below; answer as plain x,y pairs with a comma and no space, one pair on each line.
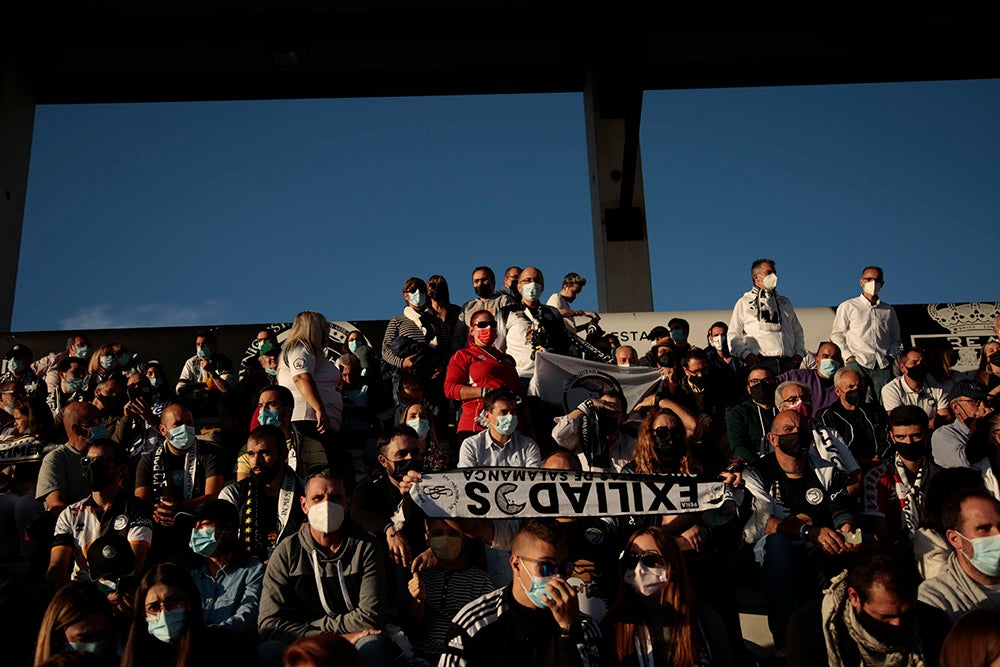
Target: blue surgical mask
124,358
182,437
271,371
352,345
203,541
97,432
506,424
268,417
156,382
101,647
14,365
82,351
421,426
828,367
204,352
985,554
168,625
536,593
74,384
531,291
107,362
677,336
416,298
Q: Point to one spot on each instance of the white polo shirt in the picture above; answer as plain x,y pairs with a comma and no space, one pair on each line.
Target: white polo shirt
930,399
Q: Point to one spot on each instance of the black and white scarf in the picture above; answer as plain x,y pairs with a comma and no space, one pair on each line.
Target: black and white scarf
912,495
161,472
764,303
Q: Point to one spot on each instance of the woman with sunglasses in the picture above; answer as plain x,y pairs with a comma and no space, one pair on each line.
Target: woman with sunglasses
656,619
476,369
169,626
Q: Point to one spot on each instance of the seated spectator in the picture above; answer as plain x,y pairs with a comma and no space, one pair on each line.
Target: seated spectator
441,590
68,387
680,330
895,490
157,377
801,514
111,563
108,508
47,367
860,425
208,373
324,650
659,337
101,366
32,418
913,388
819,379
500,444
78,618
968,402
971,578
656,618
327,578
169,627
625,356
433,452
108,399
258,374
60,480
973,640
988,374
535,619
18,369
989,465
228,579
868,616
304,453
930,546
748,422
140,428
721,359
941,358
572,285
708,396
592,431
10,393
178,475
268,500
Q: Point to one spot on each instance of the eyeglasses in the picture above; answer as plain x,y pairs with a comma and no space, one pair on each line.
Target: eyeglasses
172,602
548,568
485,324
796,400
88,461
632,558
756,381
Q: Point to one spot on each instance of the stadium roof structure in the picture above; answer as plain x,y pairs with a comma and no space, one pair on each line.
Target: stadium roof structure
157,50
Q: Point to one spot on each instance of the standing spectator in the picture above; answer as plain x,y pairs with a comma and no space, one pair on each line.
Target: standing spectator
417,341
484,283
533,326
510,278
764,329
447,312
720,358
572,285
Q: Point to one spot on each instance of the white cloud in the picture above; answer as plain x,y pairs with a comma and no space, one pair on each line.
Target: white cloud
146,315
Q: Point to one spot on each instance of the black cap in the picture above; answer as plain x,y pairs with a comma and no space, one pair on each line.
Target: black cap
110,556
19,351
658,332
218,511
968,389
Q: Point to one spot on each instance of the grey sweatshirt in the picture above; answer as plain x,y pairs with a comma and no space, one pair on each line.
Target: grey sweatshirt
955,592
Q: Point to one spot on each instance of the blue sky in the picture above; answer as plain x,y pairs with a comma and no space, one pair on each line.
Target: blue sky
239,212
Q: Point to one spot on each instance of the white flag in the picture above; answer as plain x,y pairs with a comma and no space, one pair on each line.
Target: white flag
568,381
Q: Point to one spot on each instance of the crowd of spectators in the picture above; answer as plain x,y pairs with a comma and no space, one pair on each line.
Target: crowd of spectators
260,513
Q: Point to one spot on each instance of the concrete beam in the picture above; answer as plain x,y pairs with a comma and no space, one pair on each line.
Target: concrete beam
17,120
612,104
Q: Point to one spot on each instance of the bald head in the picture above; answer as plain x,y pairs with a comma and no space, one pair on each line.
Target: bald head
175,414
787,421
78,419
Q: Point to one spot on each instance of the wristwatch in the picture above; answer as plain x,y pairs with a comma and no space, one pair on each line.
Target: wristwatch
574,631
804,531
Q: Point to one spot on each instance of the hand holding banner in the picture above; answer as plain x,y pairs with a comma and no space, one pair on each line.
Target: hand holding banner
524,493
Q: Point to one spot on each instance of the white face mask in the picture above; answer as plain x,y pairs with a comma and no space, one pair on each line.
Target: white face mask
326,517
646,581
871,288
717,342
770,281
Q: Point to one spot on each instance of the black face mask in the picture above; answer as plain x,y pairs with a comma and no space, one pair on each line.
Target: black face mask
697,381
606,423
994,358
917,373
796,444
669,443
484,290
432,293
852,397
763,393
890,635
400,468
98,476
911,451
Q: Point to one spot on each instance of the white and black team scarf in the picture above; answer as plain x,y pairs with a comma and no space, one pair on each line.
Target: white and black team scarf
764,303
911,495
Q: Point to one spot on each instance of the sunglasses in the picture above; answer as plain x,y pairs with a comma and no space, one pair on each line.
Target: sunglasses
548,568
88,461
485,325
631,559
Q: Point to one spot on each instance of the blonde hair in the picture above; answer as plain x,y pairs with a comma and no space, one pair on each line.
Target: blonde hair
310,329
95,359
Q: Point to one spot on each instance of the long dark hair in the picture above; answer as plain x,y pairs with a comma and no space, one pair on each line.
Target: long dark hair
70,605
142,647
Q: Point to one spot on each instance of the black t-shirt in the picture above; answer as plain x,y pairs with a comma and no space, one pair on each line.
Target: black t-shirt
209,465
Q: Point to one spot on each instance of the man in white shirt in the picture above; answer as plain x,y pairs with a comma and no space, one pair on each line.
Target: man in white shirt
592,431
867,331
764,329
500,444
914,388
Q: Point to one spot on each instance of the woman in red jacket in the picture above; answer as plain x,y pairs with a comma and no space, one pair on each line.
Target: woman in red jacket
476,369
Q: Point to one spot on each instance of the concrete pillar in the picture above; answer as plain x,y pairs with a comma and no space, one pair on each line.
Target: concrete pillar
621,248
17,119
